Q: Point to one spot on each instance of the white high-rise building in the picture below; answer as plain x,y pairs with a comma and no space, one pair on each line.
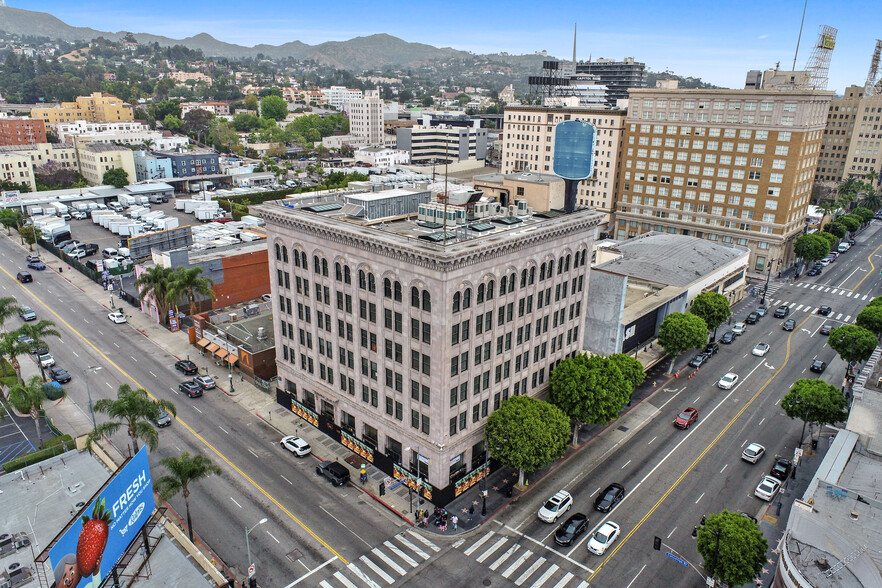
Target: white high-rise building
366,119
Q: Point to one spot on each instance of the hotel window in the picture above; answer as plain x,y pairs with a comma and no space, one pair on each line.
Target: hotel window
771,205
784,136
776,178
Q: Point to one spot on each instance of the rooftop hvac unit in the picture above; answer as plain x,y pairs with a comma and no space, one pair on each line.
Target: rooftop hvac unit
512,210
234,317
522,205
251,310
261,334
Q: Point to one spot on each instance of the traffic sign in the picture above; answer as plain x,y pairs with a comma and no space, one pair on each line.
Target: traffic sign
677,559
250,570
387,481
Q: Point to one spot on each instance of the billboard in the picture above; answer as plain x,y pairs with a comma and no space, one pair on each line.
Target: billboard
93,543
574,142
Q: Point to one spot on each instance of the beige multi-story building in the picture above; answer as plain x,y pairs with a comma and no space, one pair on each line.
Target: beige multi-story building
184,76
63,154
97,158
852,144
366,119
399,343
17,168
528,144
735,166
96,107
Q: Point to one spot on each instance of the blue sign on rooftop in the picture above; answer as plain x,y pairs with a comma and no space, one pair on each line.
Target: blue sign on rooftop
574,142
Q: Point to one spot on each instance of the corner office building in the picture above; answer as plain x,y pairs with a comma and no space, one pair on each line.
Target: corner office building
399,343
735,166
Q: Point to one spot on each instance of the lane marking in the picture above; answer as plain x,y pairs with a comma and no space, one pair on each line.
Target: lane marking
344,526
505,556
376,551
653,439
626,463
234,502
377,570
220,427
699,498
274,537
287,480
637,576
362,576
724,468
479,543
311,572
672,532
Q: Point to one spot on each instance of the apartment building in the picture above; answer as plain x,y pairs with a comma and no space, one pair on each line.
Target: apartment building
185,76
95,159
43,153
399,343
382,157
191,162
366,119
15,167
442,142
340,96
120,133
20,130
852,144
735,166
151,167
528,144
617,76
96,107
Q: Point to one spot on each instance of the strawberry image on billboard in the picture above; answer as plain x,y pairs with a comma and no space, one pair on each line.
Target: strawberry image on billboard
95,540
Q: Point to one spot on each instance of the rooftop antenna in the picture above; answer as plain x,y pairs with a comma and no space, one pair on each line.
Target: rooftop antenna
799,38
575,28
446,198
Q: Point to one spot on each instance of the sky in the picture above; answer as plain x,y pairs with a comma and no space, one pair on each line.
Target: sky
718,41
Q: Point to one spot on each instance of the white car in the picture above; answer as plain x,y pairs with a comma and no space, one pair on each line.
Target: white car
117,316
727,381
738,329
761,349
296,445
555,506
767,488
603,538
753,452
46,360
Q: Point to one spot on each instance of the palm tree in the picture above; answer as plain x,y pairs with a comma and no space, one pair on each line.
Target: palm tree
8,307
872,200
184,469
10,349
148,144
154,284
38,331
872,178
29,398
134,409
187,284
848,186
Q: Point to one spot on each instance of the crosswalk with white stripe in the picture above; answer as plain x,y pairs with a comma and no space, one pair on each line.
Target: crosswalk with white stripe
834,290
516,561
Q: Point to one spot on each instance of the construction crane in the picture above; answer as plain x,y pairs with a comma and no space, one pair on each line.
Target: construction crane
872,85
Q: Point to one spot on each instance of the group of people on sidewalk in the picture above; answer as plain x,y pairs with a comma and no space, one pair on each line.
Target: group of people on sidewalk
440,518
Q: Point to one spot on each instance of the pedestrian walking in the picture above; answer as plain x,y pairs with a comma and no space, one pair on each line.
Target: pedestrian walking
416,517
454,520
425,520
471,511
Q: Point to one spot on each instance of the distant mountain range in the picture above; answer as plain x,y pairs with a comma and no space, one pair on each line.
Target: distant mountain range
360,53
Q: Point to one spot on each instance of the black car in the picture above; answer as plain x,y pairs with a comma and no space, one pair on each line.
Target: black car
699,360
727,337
851,241
607,499
752,318
789,325
825,329
191,389
187,366
815,271
782,311
63,244
782,468
24,277
572,528
337,473
818,366
825,310
58,374
711,348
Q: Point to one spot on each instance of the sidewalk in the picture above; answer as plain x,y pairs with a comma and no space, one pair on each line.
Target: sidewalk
399,502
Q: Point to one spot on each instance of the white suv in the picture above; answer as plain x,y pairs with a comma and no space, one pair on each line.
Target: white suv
555,506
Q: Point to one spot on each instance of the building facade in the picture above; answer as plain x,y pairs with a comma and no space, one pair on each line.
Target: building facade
366,119
543,192
382,157
428,143
340,96
43,153
96,107
15,167
193,162
617,76
151,167
528,144
852,145
15,130
735,166
121,133
95,159
400,346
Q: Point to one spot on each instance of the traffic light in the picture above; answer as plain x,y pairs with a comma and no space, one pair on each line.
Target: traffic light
382,489
656,543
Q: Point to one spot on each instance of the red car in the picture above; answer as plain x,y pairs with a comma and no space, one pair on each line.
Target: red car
686,418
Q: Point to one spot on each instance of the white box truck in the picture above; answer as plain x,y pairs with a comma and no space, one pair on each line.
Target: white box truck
164,224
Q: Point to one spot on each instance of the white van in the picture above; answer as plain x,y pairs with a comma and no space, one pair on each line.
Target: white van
109,253
843,247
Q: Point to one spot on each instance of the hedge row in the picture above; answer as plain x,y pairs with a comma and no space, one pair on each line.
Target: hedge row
39,455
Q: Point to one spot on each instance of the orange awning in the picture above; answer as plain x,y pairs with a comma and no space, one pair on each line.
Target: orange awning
212,348
221,353
203,342
232,358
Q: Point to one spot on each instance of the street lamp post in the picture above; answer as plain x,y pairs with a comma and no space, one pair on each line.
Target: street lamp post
716,553
484,490
91,369
248,543
766,288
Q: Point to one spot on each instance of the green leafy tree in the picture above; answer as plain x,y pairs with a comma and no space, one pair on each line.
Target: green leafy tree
713,307
872,200
222,135
850,221
865,214
814,401
188,285
29,398
30,234
852,343
163,108
196,123
252,102
877,301
183,471
681,331
630,368
732,547
831,239
10,218
132,409
811,247
836,228
589,389
274,107
526,434
870,318
153,285
246,121
172,122
116,177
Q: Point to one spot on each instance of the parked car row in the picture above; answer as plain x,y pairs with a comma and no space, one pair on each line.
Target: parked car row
576,524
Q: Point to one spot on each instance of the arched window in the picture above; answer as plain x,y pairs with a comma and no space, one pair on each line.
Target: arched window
303,260
414,297
278,252
467,298
511,281
503,284
560,265
524,278
490,285
347,275
397,291
362,280
550,268
480,297
284,254
296,255
325,267
372,283
427,301
315,264
567,268
532,275
457,299
338,271
387,287
542,272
